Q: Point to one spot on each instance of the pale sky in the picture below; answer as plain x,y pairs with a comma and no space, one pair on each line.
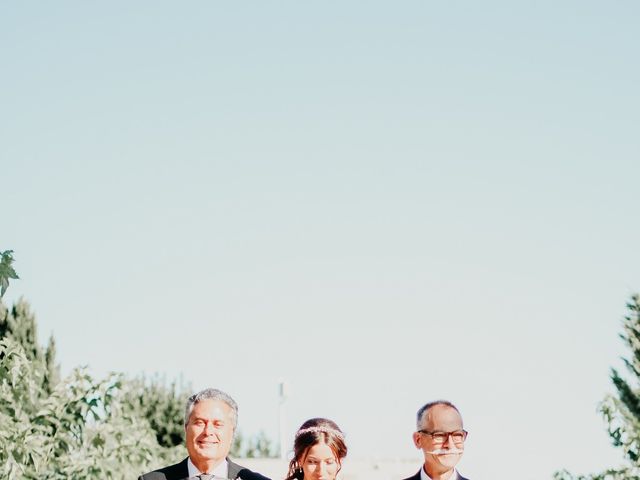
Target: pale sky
384,203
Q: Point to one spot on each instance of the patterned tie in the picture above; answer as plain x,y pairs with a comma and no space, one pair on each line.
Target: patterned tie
205,476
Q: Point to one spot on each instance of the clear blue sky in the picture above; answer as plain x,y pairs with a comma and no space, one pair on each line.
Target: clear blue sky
382,202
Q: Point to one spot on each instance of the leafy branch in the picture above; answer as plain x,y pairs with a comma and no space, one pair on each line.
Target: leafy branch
6,271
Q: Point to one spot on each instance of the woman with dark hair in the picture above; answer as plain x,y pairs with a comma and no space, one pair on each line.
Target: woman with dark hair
318,451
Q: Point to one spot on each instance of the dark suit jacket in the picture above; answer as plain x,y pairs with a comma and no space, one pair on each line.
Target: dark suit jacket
417,476
180,471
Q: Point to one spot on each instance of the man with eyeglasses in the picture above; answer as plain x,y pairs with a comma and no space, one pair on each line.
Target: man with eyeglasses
440,435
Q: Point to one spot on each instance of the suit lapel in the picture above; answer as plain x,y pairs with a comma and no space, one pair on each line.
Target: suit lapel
184,470
179,471
456,476
233,469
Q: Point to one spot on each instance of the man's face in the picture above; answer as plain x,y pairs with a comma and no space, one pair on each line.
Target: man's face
209,433
441,452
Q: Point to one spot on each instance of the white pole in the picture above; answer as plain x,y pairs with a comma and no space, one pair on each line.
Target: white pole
284,393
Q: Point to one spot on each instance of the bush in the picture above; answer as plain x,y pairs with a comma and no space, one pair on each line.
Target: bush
84,430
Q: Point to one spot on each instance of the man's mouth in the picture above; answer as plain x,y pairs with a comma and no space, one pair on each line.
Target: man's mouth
443,451
206,443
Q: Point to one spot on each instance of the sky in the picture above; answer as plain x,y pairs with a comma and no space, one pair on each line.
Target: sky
379,203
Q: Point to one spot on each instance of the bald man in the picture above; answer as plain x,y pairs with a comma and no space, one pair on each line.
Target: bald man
441,436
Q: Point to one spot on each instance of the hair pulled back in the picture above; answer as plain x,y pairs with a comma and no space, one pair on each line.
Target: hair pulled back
311,433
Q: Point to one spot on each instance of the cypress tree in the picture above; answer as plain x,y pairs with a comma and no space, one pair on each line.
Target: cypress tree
621,410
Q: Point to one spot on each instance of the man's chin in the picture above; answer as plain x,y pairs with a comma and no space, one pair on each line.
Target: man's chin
207,446
209,452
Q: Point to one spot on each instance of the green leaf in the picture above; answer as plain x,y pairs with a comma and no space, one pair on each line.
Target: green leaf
6,271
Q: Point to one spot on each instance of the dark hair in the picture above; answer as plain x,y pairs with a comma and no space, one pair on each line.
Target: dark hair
211,394
422,412
311,433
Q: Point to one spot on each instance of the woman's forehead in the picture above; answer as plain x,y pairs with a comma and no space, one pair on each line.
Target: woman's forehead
320,451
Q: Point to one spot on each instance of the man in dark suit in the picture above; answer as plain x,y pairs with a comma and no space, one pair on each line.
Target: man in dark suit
440,435
210,421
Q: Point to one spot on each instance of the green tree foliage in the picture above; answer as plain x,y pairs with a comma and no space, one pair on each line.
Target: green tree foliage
622,411
52,376
6,271
78,427
162,406
237,447
19,324
83,430
259,446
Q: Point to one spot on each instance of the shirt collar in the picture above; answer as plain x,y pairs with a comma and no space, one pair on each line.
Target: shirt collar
221,470
424,476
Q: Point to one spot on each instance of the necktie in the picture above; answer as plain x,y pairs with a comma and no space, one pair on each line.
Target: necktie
205,476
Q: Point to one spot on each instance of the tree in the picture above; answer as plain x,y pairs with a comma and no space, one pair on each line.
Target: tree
238,444
161,405
78,427
52,375
259,447
19,323
82,430
622,410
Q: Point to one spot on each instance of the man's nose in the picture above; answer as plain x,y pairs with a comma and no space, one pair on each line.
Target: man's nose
449,441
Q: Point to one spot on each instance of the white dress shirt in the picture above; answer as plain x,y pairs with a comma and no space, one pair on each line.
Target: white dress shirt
221,470
424,476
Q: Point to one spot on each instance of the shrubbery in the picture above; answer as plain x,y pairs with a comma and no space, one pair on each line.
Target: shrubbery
84,428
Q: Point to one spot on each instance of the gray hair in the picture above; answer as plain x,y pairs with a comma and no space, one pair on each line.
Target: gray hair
211,394
422,412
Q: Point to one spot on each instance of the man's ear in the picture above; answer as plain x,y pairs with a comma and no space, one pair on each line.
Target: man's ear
417,440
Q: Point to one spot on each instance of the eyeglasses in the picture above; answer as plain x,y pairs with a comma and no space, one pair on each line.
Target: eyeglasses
459,436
